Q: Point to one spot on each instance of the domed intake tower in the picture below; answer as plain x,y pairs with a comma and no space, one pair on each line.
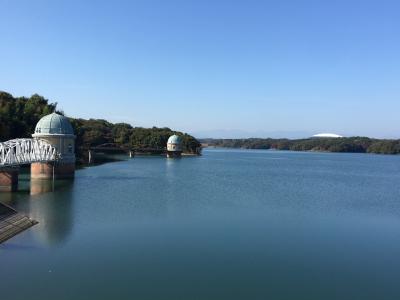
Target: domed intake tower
174,146
56,130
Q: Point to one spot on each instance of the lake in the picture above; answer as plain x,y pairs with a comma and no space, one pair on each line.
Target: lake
230,224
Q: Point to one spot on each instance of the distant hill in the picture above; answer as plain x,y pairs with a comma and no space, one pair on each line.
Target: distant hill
348,144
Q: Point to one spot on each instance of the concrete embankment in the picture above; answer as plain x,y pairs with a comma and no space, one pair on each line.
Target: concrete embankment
12,222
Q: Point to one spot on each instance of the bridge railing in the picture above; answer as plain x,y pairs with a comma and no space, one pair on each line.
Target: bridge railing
25,151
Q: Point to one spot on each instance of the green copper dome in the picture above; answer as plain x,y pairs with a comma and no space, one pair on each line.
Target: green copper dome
53,124
174,139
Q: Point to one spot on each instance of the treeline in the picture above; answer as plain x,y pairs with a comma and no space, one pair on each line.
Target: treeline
19,116
350,144
94,132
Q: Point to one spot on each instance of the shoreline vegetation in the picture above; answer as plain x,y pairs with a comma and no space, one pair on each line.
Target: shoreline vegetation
19,116
344,145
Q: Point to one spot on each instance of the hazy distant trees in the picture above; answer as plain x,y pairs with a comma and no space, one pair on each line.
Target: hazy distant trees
352,144
385,147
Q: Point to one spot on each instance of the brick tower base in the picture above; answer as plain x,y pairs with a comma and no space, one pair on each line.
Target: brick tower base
45,170
174,154
8,179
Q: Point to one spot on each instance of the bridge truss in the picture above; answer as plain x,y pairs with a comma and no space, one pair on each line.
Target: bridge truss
26,151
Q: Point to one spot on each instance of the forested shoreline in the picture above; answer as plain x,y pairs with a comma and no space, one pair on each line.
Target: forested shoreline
19,116
348,144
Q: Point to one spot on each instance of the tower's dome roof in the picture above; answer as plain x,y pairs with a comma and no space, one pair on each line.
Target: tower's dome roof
174,139
53,124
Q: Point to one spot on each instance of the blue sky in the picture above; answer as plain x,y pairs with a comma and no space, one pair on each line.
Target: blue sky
212,68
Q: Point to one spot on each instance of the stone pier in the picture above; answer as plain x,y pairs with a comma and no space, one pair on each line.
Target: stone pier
174,154
9,179
45,170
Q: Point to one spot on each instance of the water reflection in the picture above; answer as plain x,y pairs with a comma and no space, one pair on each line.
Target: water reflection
8,198
41,186
172,166
52,206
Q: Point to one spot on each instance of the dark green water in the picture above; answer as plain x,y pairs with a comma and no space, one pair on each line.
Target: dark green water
227,225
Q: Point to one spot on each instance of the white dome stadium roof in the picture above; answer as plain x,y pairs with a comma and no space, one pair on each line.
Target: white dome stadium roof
327,135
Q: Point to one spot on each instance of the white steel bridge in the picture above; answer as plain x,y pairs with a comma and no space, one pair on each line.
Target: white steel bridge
26,151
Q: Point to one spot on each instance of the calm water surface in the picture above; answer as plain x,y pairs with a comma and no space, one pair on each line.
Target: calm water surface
227,225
